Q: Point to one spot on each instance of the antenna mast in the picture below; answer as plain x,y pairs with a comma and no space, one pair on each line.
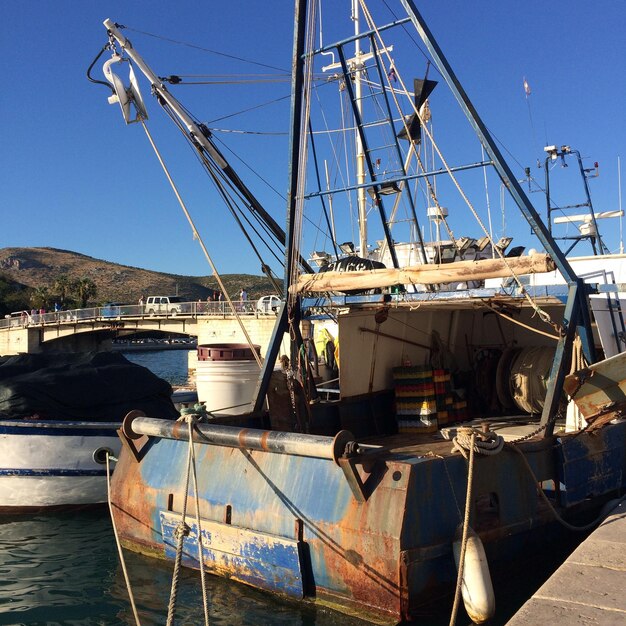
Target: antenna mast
360,155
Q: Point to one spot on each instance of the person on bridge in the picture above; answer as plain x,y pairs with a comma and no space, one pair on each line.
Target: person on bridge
243,296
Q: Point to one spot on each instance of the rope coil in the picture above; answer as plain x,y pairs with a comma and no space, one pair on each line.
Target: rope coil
468,439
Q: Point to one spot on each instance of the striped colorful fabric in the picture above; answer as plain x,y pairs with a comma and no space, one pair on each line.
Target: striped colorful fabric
416,406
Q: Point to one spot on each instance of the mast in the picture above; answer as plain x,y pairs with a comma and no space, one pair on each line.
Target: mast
360,155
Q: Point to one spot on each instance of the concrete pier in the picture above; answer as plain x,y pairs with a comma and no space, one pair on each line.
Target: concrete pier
590,587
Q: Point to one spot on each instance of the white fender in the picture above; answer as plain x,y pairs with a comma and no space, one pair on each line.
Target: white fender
477,590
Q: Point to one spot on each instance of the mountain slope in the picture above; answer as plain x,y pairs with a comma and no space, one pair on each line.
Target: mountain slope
41,267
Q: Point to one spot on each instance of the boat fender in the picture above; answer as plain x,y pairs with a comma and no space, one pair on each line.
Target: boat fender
476,589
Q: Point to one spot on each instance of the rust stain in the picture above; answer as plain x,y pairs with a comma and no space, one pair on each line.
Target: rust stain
133,503
264,438
241,437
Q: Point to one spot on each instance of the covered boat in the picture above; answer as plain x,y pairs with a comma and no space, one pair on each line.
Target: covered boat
59,414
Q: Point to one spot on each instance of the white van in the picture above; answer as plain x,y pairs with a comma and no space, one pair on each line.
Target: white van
268,305
163,305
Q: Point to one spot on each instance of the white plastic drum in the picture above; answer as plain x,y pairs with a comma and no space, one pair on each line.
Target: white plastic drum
226,377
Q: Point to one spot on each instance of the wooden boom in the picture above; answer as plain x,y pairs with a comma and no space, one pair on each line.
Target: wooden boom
429,274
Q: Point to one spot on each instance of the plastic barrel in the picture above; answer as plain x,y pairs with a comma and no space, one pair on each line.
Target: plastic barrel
226,377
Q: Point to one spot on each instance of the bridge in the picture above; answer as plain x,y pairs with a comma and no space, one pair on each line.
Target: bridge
95,328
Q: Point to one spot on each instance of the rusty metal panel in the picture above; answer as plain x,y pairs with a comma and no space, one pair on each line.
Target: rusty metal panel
292,524
258,559
600,390
592,463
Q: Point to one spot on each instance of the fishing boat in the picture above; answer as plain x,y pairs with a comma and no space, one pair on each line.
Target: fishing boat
59,416
442,427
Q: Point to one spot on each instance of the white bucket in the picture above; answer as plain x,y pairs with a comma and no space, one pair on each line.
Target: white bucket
226,386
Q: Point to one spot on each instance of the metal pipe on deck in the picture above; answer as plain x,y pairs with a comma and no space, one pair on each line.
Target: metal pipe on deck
275,441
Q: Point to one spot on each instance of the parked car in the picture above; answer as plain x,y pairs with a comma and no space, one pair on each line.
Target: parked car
163,305
267,305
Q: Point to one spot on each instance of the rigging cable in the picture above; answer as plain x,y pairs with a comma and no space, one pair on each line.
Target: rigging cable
431,190
319,186
619,204
543,315
248,167
335,150
482,151
197,236
348,136
254,108
196,47
409,35
214,172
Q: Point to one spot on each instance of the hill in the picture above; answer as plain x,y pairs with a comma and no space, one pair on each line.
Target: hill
25,270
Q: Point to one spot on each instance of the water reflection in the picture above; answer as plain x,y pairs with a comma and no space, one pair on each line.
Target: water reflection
63,569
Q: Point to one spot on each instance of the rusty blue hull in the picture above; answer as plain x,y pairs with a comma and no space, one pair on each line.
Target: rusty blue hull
294,525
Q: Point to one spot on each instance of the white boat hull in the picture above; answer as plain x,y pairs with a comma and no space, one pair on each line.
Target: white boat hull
52,464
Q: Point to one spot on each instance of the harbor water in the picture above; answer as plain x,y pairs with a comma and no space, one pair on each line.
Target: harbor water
63,568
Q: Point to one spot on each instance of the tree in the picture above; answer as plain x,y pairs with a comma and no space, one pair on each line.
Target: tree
40,298
84,288
13,296
62,286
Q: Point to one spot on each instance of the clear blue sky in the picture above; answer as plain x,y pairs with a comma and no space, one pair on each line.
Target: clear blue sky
75,177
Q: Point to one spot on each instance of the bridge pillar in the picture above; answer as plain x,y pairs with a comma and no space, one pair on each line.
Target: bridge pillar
20,341
29,341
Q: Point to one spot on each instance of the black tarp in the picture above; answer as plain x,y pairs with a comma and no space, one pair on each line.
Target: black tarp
353,263
95,386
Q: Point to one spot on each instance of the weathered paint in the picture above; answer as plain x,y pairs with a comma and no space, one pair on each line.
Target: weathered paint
383,556
592,464
258,559
599,390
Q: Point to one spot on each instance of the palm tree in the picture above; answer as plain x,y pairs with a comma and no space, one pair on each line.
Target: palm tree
62,286
40,298
84,288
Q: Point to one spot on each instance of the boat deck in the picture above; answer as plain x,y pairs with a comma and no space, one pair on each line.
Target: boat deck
589,587
440,443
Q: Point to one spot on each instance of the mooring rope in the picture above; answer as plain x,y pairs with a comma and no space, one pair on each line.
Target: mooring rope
191,420
472,448
470,440
182,530
119,546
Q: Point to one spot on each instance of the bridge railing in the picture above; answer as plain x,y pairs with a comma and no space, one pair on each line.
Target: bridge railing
199,309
